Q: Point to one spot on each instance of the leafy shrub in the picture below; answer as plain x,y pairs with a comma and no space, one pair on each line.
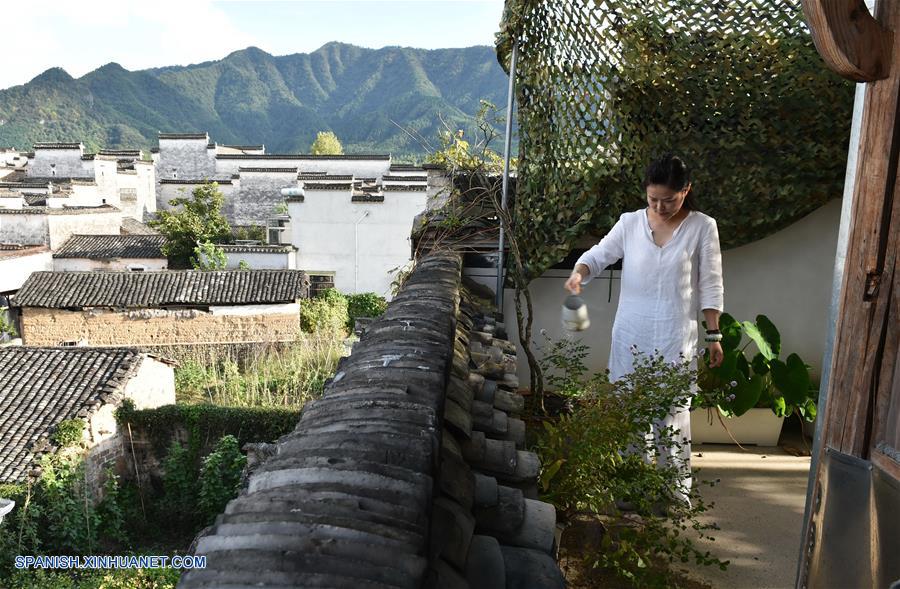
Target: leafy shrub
209,256
366,304
179,486
7,329
68,432
326,313
595,455
220,477
164,578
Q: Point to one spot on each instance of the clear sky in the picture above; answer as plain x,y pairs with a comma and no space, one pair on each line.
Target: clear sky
82,35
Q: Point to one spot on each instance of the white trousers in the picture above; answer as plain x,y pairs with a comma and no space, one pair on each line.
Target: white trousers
679,419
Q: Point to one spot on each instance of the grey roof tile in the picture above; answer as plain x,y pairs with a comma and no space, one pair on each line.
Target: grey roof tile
39,387
168,288
104,247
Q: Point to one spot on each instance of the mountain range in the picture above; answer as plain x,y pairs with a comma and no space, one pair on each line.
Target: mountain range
392,99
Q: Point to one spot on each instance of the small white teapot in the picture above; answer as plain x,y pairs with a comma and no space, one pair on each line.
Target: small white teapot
575,314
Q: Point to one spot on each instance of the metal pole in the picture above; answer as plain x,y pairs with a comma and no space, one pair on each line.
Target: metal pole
507,147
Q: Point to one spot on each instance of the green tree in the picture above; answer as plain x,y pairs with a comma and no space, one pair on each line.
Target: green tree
326,143
192,221
209,256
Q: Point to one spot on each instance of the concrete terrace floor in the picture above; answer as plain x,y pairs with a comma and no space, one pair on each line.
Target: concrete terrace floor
759,508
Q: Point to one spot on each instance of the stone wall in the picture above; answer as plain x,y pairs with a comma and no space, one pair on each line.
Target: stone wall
24,228
185,159
63,225
259,194
153,327
408,472
63,163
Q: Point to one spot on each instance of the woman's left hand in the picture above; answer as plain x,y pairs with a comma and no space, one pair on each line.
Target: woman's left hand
716,355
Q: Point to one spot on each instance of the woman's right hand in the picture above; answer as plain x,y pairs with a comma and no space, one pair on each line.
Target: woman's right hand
573,284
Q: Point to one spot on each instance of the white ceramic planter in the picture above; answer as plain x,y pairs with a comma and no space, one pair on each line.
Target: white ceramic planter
757,427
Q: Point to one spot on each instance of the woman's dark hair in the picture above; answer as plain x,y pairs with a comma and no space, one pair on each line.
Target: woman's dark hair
671,171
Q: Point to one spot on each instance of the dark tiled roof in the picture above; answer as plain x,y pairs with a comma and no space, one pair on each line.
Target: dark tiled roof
58,179
246,147
35,200
295,156
88,156
406,168
257,249
194,181
61,290
367,197
203,136
121,152
60,210
10,250
134,227
24,184
317,176
272,170
404,188
316,186
59,145
104,247
40,387
395,178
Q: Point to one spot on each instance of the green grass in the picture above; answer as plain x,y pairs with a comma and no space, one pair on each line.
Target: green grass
277,376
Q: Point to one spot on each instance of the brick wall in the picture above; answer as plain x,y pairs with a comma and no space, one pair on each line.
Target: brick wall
149,327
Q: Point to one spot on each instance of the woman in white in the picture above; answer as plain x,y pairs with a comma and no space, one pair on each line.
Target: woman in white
671,270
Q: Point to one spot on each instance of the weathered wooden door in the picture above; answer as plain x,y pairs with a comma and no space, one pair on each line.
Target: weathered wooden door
852,532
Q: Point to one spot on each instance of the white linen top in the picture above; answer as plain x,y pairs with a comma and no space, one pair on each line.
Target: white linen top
663,289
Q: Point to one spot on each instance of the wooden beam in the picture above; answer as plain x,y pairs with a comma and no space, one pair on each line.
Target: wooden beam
850,40
863,312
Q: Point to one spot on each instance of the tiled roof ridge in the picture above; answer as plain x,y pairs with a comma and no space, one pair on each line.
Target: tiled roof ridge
404,188
245,147
309,176
295,156
272,170
193,181
262,248
58,145
204,136
386,476
399,178
162,288
75,210
318,186
107,246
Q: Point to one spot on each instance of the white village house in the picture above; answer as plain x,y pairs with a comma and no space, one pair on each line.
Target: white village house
348,216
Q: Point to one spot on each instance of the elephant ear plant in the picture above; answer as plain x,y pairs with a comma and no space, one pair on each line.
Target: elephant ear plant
739,384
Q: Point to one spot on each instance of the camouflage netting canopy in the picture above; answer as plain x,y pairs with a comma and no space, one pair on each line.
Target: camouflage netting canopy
735,87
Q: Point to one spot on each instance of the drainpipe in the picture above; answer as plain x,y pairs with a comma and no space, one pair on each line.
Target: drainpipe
837,278
356,252
510,99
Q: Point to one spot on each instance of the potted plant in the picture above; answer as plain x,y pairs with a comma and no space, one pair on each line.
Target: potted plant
763,388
